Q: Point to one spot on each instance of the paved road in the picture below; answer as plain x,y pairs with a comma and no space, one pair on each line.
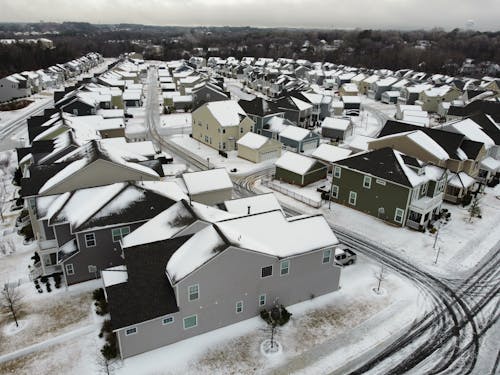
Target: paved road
446,339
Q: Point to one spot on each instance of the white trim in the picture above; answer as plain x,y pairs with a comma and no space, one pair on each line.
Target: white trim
329,256
67,266
86,241
131,333
336,195
287,267
236,307
355,198
336,169
167,317
187,317
396,215
259,299
197,292
369,180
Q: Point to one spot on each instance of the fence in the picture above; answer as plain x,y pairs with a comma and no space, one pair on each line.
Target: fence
272,184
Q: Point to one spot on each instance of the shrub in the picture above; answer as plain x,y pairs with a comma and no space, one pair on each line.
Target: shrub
98,294
109,350
27,232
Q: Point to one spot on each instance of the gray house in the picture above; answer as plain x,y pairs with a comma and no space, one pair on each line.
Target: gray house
182,287
81,240
336,128
299,139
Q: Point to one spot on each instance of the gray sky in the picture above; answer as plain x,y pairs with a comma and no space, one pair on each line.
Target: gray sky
399,14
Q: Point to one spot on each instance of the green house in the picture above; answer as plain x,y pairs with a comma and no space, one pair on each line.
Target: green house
298,169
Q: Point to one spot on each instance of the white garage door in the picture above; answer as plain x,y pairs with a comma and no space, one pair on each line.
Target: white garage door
309,145
269,155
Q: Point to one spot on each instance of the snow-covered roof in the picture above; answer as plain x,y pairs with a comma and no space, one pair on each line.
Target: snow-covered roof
360,142
330,153
472,131
490,164
252,140
296,163
460,180
335,123
114,275
226,112
253,205
206,181
301,105
350,87
287,238
294,132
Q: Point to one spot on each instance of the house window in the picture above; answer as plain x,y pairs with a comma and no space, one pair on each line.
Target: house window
90,240
190,321
239,307
131,331
92,269
327,255
335,191
223,131
380,182
194,292
398,216
206,138
241,130
167,320
352,198
266,271
262,300
75,112
70,270
367,182
284,267
423,189
119,233
336,171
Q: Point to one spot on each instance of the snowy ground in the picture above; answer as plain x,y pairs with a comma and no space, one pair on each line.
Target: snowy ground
462,243
203,152
38,100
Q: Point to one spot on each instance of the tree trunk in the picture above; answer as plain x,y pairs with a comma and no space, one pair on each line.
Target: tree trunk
12,310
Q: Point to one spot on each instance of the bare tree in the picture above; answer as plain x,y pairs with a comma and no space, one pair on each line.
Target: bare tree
474,209
105,365
380,276
11,301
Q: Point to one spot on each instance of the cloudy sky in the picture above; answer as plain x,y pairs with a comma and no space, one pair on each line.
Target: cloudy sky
399,14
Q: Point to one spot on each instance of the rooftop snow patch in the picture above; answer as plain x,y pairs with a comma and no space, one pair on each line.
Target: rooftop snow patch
296,163
253,205
114,275
335,123
226,112
330,153
205,181
294,132
252,141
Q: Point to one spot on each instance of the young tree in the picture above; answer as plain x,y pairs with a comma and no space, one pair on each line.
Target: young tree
474,209
105,365
11,301
380,276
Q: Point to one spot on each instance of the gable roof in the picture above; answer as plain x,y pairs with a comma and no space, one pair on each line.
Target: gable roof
253,141
295,133
330,153
384,163
258,107
296,163
252,232
226,112
147,294
253,204
449,142
206,181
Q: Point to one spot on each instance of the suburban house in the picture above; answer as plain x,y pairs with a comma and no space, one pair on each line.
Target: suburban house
13,87
389,185
79,232
258,148
367,83
299,170
337,129
220,124
297,111
260,111
380,86
348,89
207,92
184,286
210,187
430,99
275,126
298,139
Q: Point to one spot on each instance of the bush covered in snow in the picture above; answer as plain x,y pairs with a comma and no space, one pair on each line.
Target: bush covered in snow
101,306
109,350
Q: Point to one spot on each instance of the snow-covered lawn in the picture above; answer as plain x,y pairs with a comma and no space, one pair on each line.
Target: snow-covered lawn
306,194
210,155
462,243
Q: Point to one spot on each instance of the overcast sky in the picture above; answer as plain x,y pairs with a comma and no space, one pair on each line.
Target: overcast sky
398,14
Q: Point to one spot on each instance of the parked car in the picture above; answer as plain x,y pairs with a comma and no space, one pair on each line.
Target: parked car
344,256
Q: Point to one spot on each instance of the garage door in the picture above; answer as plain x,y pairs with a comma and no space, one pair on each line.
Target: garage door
269,155
306,146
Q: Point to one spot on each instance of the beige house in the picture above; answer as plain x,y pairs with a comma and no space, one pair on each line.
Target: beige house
430,99
257,148
365,84
209,187
221,124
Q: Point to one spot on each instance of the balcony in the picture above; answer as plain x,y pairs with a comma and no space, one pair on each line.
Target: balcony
47,245
426,204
